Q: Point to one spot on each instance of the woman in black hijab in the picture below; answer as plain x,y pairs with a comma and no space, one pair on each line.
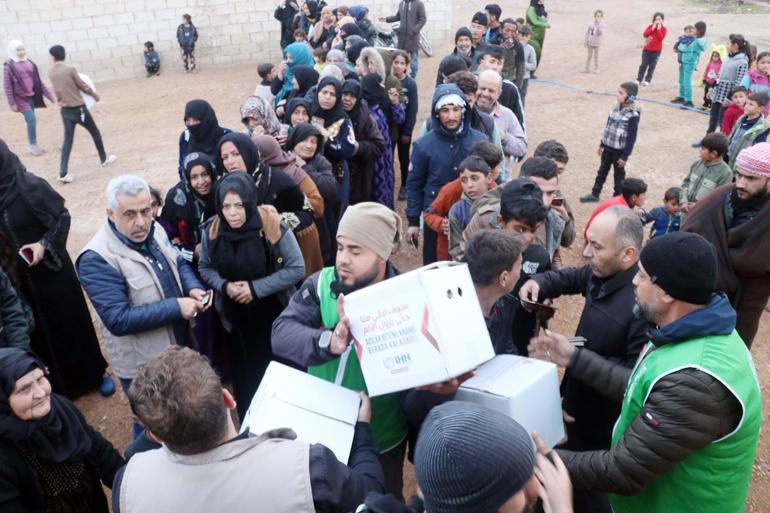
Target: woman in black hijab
33,218
251,262
297,111
202,131
52,460
306,78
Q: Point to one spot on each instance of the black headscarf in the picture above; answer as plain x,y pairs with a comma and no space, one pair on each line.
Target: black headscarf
15,182
336,112
205,135
306,77
302,132
312,7
539,8
239,253
353,87
354,52
292,106
374,93
59,436
351,29
246,148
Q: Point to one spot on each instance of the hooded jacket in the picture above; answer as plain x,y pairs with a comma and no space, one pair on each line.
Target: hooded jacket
436,155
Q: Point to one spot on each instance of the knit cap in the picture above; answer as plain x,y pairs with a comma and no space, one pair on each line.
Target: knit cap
683,264
372,225
463,31
480,18
471,458
755,160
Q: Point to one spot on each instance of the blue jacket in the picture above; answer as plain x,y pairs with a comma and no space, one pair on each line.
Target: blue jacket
108,291
662,221
435,157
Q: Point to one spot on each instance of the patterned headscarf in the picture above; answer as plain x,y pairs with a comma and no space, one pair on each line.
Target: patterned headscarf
258,108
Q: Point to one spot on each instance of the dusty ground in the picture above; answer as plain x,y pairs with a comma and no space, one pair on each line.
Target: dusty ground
141,120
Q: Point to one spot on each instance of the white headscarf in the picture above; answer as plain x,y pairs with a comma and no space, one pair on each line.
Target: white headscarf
12,46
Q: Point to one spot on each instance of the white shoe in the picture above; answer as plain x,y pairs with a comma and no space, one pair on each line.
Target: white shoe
109,160
68,178
35,150
645,83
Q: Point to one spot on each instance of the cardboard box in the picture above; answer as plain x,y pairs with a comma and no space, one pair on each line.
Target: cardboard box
318,411
525,389
418,328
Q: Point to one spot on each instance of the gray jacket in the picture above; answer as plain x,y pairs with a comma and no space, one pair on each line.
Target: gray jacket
13,322
412,18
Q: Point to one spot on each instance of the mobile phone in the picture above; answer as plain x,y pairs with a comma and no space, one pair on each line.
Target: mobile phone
540,309
208,298
557,202
26,255
283,131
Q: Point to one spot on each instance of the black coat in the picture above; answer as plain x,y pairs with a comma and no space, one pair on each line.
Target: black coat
371,144
13,321
612,331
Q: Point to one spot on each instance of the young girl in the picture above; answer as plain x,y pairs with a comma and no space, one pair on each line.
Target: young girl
399,68
730,75
690,55
710,75
617,141
187,35
759,79
594,40
654,35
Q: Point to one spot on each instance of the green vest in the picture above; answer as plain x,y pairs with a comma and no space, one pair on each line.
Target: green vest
715,478
388,420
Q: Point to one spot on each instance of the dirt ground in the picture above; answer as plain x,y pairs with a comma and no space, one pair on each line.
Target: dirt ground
141,119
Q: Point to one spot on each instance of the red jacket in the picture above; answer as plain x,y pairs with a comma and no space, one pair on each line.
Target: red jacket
654,38
617,200
731,115
434,215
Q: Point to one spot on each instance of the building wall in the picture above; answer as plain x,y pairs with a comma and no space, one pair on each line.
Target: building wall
105,38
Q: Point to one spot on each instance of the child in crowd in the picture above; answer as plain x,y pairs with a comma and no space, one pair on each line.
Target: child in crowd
750,129
266,72
758,80
156,202
151,59
685,39
667,218
710,75
730,76
300,36
530,59
617,140
186,36
399,69
689,55
633,194
734,110
474,174
319,57
708,172
593,40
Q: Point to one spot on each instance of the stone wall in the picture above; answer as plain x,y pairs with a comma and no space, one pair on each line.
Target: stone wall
105,38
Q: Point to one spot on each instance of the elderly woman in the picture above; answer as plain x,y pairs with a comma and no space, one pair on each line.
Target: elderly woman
25,90
34,220
52,460
251,262
258,116
297,111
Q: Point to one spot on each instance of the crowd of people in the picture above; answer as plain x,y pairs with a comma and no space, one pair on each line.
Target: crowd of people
249,257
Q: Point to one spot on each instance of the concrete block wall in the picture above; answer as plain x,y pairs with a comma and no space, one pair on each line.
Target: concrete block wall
105,38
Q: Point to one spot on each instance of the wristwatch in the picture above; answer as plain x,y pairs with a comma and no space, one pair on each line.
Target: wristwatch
325,339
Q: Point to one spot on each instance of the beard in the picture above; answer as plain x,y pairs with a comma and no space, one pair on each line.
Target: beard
338,287
742,205
643,312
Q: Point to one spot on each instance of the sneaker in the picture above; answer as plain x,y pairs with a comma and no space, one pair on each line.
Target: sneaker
35,150
645,83
68,178
696,144
678,99
589,198
532,76
109,160
401,193
107,387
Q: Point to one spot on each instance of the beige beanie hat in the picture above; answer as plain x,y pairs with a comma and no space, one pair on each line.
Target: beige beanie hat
372,225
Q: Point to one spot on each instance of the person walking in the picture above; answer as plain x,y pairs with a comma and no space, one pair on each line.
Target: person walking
68,85
25,90
412,18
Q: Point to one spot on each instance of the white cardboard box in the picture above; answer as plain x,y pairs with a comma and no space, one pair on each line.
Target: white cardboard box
419,328
318,411
525,389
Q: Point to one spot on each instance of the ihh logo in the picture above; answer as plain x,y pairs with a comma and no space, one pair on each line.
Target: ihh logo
398,361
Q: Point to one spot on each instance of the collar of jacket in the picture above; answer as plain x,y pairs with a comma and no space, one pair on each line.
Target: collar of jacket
717,317
617,282
142,247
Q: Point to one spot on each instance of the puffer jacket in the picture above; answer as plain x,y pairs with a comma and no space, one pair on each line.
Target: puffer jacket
435,157
685,411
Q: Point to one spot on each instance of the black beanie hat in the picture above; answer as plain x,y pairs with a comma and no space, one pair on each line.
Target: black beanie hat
471,458
463,31
683,264
480,18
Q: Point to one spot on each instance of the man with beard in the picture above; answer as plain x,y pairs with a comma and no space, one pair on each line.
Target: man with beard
313,331
736,219
607,323
687,432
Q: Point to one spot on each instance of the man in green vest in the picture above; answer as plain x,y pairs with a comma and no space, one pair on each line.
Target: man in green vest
313,330
687,433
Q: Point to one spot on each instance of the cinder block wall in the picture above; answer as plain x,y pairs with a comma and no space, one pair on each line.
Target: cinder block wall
105,38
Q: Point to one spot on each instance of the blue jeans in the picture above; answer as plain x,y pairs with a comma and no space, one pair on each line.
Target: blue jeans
136,428
685,81
29,117
415,62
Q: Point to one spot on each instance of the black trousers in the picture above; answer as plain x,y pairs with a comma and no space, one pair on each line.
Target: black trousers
609,159
429,241
392,463
72,116
715,117
649,61
403,156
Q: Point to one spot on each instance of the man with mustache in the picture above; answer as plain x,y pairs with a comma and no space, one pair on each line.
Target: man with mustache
735,218
144,292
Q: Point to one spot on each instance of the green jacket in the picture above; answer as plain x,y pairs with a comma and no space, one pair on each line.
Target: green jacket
703,178
747,138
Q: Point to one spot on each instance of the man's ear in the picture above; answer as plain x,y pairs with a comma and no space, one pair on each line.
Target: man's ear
228,400
630,254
